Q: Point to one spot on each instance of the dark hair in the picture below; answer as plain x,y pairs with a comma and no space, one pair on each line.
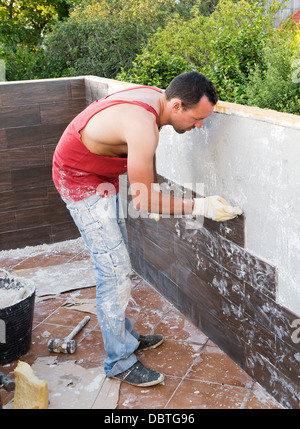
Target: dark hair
190,87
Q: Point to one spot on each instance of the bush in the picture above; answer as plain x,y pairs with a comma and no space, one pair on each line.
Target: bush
226,45
102,36
149,69
276,86
24,63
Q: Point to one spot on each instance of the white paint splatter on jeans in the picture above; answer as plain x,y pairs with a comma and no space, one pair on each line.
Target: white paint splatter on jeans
104,232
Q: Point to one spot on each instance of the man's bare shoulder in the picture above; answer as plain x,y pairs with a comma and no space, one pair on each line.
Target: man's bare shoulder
120,119
146,95
119,125
141,122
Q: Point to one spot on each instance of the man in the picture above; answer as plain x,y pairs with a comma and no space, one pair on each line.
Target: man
111,136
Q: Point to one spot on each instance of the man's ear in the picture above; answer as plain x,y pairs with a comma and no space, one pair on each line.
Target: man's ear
176,105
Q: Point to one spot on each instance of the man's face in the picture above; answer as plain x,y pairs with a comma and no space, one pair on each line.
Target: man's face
186,120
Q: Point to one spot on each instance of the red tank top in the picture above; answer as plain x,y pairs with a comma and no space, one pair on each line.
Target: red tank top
77,172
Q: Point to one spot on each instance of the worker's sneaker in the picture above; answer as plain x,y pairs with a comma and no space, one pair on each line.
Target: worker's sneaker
140,375
150,341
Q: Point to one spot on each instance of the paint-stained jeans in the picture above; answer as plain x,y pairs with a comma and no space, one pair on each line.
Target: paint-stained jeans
104,233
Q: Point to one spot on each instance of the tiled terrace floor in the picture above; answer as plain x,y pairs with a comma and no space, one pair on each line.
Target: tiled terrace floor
198,374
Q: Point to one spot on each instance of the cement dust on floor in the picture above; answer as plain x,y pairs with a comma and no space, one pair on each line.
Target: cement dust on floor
198,375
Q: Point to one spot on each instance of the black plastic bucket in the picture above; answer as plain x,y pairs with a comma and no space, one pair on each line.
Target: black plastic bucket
16,320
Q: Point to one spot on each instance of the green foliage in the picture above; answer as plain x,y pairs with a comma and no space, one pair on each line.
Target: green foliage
95,44
234,42
97,37
22,21
233,47
149,69
276,86
102,36
171,50
237,46
24,63
224,45
22,24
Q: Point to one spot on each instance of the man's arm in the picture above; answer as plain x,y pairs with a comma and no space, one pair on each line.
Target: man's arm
154,169
142,142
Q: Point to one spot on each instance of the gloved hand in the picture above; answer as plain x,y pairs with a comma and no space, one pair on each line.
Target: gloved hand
215,208
154,216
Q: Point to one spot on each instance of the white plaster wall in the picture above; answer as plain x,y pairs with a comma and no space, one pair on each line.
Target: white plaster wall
252,158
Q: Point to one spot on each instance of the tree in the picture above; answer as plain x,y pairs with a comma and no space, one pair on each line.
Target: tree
149,69
102,36
225,45
22,25
22,21
276,86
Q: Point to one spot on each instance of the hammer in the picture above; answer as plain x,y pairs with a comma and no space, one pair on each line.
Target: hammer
6,382
67,345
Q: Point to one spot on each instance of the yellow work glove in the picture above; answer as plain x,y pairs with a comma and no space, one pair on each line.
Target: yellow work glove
215,208
154,216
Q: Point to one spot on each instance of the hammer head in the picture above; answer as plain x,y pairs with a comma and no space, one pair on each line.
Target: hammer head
62,345
6,382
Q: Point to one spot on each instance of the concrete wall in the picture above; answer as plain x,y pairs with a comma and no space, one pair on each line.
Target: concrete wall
251,157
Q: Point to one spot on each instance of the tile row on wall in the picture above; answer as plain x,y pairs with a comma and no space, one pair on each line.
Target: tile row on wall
224,290
33,115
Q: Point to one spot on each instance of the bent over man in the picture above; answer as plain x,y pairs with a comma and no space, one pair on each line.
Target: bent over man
114,135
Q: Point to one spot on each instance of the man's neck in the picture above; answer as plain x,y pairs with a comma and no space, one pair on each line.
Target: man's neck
164,111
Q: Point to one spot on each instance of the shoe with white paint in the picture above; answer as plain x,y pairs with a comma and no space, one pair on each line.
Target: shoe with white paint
139,375
150,341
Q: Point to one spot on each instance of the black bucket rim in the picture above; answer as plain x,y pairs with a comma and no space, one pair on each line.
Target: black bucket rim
15,338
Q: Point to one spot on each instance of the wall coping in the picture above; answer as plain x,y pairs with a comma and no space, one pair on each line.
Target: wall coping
253,112
267,115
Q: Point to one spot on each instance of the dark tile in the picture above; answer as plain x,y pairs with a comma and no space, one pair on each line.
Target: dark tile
25,198
26,93
42,215
27,237
35,135
282,388
233,230
77,88
5,181
61,112
7,221
14,159
20,116
64,231
247,267
34,177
